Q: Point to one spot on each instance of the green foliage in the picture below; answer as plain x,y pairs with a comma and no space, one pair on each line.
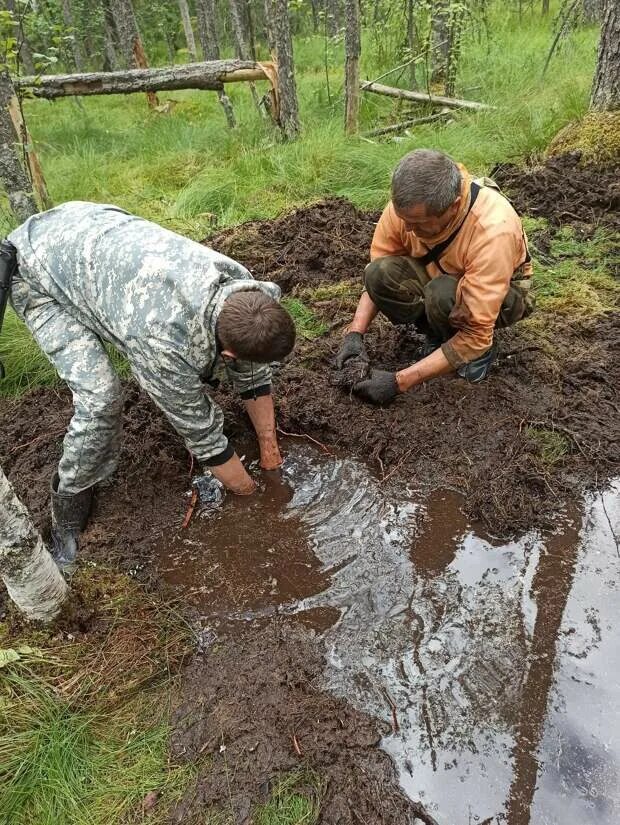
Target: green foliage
306,323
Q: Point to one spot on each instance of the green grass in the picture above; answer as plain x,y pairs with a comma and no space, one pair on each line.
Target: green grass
550,445
294,801
64,766
307,324
84,723
187,170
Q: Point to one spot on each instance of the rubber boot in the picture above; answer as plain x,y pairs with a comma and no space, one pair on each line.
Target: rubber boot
70,512
478,369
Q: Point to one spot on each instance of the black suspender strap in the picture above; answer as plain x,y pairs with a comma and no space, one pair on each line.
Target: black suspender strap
433,255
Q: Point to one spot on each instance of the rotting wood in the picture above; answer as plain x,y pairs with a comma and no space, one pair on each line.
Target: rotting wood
208,75
34,165
405,124
422,97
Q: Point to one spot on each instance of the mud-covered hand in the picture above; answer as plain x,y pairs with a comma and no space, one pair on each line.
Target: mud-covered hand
380,388
352,347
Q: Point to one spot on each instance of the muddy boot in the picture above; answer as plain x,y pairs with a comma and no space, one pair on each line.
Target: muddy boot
478,369
70,512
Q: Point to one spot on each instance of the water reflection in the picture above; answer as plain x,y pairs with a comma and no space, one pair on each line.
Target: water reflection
499,658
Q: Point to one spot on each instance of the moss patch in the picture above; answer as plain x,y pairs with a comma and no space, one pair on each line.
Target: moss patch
596,136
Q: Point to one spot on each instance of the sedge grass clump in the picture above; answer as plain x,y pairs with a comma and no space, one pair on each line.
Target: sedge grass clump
550,445
84,715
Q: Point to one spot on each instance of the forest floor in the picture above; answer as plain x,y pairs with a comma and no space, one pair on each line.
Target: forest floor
253,736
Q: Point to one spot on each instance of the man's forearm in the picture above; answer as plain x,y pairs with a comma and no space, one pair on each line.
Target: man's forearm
234,476
263,418
365,314
432,366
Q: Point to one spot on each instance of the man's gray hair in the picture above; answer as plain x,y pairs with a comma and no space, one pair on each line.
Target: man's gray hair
426,177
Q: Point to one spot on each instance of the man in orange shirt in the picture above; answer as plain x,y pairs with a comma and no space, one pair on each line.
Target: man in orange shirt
450,256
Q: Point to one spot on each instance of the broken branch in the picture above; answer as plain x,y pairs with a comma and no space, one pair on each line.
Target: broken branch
421,97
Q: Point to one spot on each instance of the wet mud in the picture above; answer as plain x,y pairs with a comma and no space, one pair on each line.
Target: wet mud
427,567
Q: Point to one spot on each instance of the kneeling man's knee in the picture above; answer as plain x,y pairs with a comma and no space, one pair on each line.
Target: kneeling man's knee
440,295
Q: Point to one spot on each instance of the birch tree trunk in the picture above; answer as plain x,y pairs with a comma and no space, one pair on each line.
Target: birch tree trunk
353,47
12,174
187,28
209,42
32,579
289,110
130,40
606,87
76,48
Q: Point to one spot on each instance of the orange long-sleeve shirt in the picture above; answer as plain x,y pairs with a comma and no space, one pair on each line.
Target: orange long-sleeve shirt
489,250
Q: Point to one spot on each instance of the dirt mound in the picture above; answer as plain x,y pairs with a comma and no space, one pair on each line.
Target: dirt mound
563,191
272,718
328,241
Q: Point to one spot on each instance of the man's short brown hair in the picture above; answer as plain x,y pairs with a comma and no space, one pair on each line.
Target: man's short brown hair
255,327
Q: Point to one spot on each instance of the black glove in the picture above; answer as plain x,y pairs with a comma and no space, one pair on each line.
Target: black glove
380,388
352,347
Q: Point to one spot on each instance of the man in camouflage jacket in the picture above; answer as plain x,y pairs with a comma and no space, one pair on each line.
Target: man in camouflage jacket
92,273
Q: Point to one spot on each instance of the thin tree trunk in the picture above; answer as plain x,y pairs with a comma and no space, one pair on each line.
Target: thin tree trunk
411,38
12,175
606,86
130,39
23,46
271,41
454,53
332,17
592,10
289,110
32,579
237,18
440,38
316,8
67,16
187,28
545,8
110,38
352,45
209,42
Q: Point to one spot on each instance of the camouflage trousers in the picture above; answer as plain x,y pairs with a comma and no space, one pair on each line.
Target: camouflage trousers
92,443
404,292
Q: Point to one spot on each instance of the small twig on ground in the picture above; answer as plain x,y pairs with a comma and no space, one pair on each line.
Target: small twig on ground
296,746
190,509
396,467
390,701
423,814
44,437
309,437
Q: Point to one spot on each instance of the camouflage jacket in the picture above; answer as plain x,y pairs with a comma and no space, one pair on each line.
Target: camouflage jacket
153,294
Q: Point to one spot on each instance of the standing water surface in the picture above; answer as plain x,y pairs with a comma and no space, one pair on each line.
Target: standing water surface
495,663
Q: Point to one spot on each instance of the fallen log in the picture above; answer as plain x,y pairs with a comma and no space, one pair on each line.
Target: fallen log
209,75
423,97
405,124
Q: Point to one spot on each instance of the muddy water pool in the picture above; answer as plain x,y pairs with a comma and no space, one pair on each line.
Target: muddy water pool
494,664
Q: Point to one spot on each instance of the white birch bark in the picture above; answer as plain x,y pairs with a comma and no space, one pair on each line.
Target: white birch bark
32,579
